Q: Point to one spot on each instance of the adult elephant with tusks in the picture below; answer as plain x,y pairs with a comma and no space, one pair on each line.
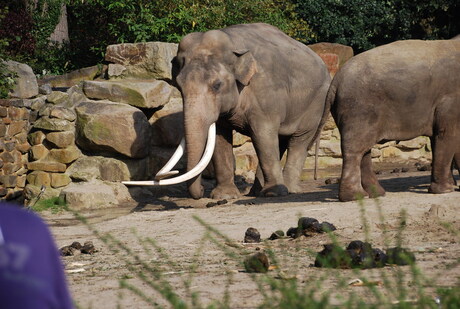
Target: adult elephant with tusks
257,80
397,92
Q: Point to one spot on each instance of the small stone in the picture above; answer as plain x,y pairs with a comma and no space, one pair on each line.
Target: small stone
76,245
8,181
59,180
380,258
45,89
88,248
38,152
292,232
9,146
39,178
211,204
71,250
67,155
36,138
57,97
257,263
361,254
306,223
60,112
276,235
24,147
53,124
61,139
333,256
331,181
325,227
252,235
423,168
47,166
400,256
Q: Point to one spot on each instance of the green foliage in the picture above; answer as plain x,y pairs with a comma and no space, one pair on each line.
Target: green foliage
6,80
25,32
95,24
364,24
54,204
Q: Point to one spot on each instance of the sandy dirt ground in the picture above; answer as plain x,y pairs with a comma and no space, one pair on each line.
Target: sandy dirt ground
190,256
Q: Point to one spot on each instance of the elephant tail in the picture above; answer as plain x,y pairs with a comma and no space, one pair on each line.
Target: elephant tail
330,98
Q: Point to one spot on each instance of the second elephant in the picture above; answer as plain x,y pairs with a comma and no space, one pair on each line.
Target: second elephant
397,92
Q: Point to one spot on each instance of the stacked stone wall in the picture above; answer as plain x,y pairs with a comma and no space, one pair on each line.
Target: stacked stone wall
14,148
103,125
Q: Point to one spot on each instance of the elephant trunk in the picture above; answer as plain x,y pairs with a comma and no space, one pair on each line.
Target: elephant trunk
196,133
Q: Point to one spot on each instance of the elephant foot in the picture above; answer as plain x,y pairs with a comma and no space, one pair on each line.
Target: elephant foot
255,189
294,188
438,188
225,192
196,191
346,195
273,191
374,190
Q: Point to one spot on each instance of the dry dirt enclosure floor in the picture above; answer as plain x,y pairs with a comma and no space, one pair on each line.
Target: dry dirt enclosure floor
95,279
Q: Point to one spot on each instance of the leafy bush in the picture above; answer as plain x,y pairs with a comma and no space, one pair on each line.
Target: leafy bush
6,80
24,34
94,24
364,24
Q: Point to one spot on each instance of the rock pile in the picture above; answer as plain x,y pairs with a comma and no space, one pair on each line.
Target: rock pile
82,133
14,148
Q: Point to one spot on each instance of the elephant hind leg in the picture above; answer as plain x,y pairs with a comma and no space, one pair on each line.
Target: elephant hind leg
441,174
296,155
350,188
445,145
368,179
456,164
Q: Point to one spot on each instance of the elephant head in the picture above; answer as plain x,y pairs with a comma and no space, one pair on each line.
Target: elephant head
210,71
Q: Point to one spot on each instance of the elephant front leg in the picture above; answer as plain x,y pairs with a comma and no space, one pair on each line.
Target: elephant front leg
266,144
224,166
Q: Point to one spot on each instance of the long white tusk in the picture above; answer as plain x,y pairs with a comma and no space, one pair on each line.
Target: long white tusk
166,170
204,161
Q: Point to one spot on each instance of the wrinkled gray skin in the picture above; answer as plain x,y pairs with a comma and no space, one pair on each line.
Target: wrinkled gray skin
397,92
255,79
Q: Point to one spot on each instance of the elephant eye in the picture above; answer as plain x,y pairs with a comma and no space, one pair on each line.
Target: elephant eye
216,85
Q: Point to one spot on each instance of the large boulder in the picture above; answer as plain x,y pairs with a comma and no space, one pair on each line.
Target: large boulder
168,123
88,168
26,85
72,78
104,127
143,60
95,194
143,94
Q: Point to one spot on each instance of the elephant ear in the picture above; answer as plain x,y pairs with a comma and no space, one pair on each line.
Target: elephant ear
175,69
245,66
